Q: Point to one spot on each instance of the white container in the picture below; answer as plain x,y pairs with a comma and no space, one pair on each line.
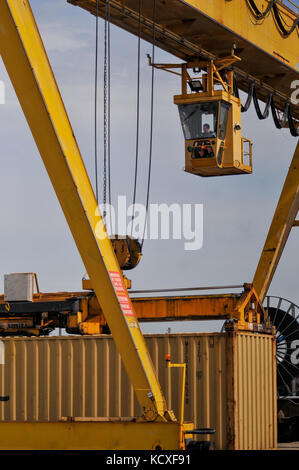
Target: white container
18,287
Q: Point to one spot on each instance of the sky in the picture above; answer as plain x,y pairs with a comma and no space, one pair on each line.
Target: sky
237,209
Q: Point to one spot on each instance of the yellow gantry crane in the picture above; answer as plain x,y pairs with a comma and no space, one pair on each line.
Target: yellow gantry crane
202,34
27,64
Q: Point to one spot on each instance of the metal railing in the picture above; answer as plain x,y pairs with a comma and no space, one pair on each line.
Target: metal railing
246,153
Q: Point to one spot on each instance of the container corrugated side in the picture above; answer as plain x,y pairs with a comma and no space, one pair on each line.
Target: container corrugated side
230,382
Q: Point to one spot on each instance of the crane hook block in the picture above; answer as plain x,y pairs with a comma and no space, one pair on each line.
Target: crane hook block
127,250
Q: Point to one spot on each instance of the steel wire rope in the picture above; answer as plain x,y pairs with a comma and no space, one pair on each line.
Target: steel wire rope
137,116
151,122
96,104
107,115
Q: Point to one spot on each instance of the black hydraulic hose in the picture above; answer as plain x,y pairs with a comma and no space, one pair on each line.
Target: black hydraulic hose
249,97
236,88
259,15
279,123
293,129
265,113
280,24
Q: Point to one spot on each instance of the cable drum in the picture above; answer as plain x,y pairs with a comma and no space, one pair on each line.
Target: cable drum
287,343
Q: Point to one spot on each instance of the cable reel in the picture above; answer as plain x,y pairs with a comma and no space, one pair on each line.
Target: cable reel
286,323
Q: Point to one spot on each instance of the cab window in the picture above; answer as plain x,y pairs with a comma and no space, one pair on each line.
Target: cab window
199,120
223,115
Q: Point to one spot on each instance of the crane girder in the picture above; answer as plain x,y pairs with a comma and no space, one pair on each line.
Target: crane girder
196,28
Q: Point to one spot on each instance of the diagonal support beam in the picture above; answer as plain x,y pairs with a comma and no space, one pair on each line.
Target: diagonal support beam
283,221
30,72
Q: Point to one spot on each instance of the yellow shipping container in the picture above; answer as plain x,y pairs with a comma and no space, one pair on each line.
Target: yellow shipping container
230,382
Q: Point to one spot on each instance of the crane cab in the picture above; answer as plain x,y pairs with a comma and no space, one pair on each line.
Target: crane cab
213,142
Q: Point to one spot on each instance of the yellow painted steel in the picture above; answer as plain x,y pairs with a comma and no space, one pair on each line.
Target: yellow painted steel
90,319
182,366
264,35
208,29
220,152
282,223
185,307
91,434
27,64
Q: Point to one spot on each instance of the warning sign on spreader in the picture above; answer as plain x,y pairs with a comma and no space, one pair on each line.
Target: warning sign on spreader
122,295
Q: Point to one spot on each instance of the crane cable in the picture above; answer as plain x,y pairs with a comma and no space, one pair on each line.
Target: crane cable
279,122
151,121
107,113
96,104
137,115
272,5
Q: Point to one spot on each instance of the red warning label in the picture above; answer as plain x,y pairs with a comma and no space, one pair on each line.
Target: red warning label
122,295
117,281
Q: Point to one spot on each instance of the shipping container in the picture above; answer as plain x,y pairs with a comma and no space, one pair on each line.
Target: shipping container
230,382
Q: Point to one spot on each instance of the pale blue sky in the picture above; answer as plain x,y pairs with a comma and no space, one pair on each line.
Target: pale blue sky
237,209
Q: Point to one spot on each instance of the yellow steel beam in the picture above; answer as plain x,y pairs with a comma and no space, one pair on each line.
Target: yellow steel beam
186,307
92,434
282,223
27,64
209,29
235,16
151,309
